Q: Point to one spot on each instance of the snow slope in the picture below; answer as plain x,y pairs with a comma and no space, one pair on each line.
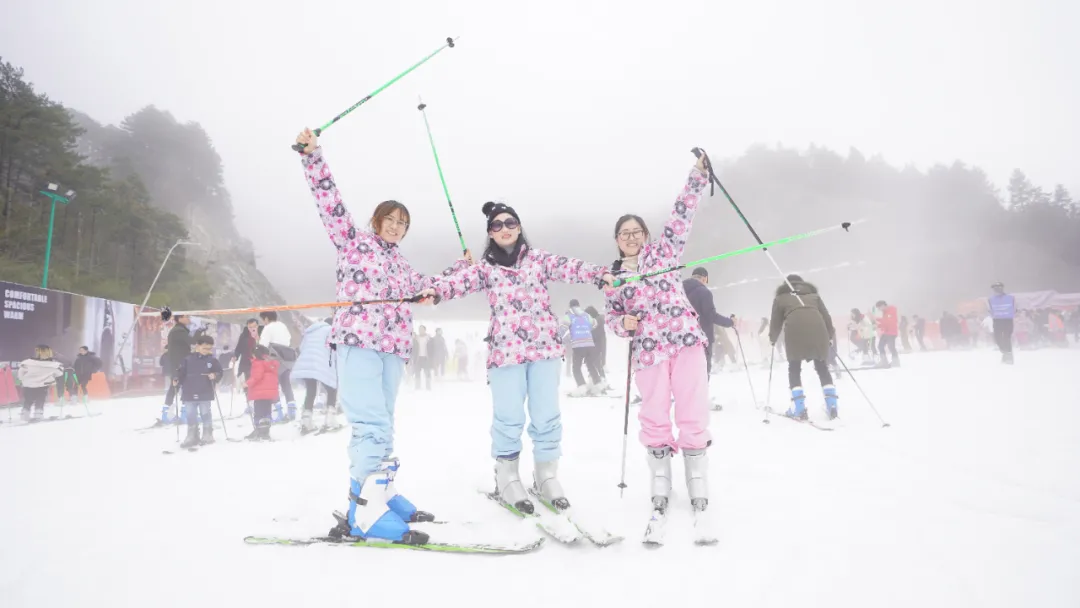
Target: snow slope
971,498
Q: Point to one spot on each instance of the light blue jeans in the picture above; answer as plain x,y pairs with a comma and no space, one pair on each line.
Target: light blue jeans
368,383
511,386
196,409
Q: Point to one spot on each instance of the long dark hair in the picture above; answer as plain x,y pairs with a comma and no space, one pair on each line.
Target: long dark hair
618,224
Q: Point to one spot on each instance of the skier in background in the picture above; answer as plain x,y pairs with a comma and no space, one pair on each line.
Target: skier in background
904,328
808,336
179,347
315,366
87,363
262,389
577,328
276,337
599,338
423,361
37,376
226,359
245,347
1003,311
697,291
439,353
195,378
889,326
920,331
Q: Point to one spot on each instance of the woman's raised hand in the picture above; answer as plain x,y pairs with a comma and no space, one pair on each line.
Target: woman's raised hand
308,139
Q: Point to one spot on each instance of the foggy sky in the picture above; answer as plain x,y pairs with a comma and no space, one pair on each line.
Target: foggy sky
565,110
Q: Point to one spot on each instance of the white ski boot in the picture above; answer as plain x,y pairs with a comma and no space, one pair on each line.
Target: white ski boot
547,485
697,486
306,425
580,391
595,390
660,472
508,486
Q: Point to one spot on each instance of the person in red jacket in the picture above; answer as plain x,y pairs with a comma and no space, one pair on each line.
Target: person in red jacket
262,388
889,326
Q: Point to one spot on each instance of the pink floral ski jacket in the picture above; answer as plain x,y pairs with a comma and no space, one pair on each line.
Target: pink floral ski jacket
368,268
667,321
522,327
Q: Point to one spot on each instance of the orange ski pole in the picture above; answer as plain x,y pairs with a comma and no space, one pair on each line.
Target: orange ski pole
167,313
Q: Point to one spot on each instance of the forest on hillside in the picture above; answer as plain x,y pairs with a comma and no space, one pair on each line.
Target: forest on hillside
137,186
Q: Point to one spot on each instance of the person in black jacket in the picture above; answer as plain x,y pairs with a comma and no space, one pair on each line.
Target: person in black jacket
245,347
196,378
701,299
179,345
599,338
86,365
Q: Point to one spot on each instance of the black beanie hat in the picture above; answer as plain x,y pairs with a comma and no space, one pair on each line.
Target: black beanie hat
492,209
700,272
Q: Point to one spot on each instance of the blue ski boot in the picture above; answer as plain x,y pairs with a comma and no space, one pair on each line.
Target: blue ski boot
371,519
292,411
798,408
831,401
183,415
279,417
165,414
396,502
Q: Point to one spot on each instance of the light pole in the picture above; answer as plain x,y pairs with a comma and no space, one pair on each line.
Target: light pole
138,315
52,191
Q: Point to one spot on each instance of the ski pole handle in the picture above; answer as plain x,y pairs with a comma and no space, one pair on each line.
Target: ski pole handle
300,148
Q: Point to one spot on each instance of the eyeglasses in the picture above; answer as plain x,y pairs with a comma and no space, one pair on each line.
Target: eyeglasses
509,223
626,235
390,221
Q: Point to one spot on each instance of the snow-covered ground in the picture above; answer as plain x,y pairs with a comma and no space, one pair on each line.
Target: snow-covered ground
971,498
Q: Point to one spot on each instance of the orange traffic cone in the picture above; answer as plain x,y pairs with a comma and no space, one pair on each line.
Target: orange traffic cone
98,388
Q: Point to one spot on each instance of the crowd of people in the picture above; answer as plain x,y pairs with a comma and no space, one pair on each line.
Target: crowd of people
361,354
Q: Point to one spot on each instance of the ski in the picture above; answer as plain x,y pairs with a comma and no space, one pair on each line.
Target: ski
31,422
195,448
597,536
552,524
350,541
654,531
703,529
810,423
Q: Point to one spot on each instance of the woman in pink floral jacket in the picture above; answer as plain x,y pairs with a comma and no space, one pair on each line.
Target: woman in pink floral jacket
372,344
667,341
524,350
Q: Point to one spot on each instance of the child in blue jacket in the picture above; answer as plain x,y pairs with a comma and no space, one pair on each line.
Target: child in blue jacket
197,376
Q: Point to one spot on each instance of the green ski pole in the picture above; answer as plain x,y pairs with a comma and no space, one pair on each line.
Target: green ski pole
449,44
797,237
442,179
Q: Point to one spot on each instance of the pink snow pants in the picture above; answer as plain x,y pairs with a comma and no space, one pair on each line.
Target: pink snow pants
686,378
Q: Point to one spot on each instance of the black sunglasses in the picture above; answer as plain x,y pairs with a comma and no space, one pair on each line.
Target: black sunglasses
497,225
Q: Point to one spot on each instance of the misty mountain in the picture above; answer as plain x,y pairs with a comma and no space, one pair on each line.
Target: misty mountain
928,239
141,186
